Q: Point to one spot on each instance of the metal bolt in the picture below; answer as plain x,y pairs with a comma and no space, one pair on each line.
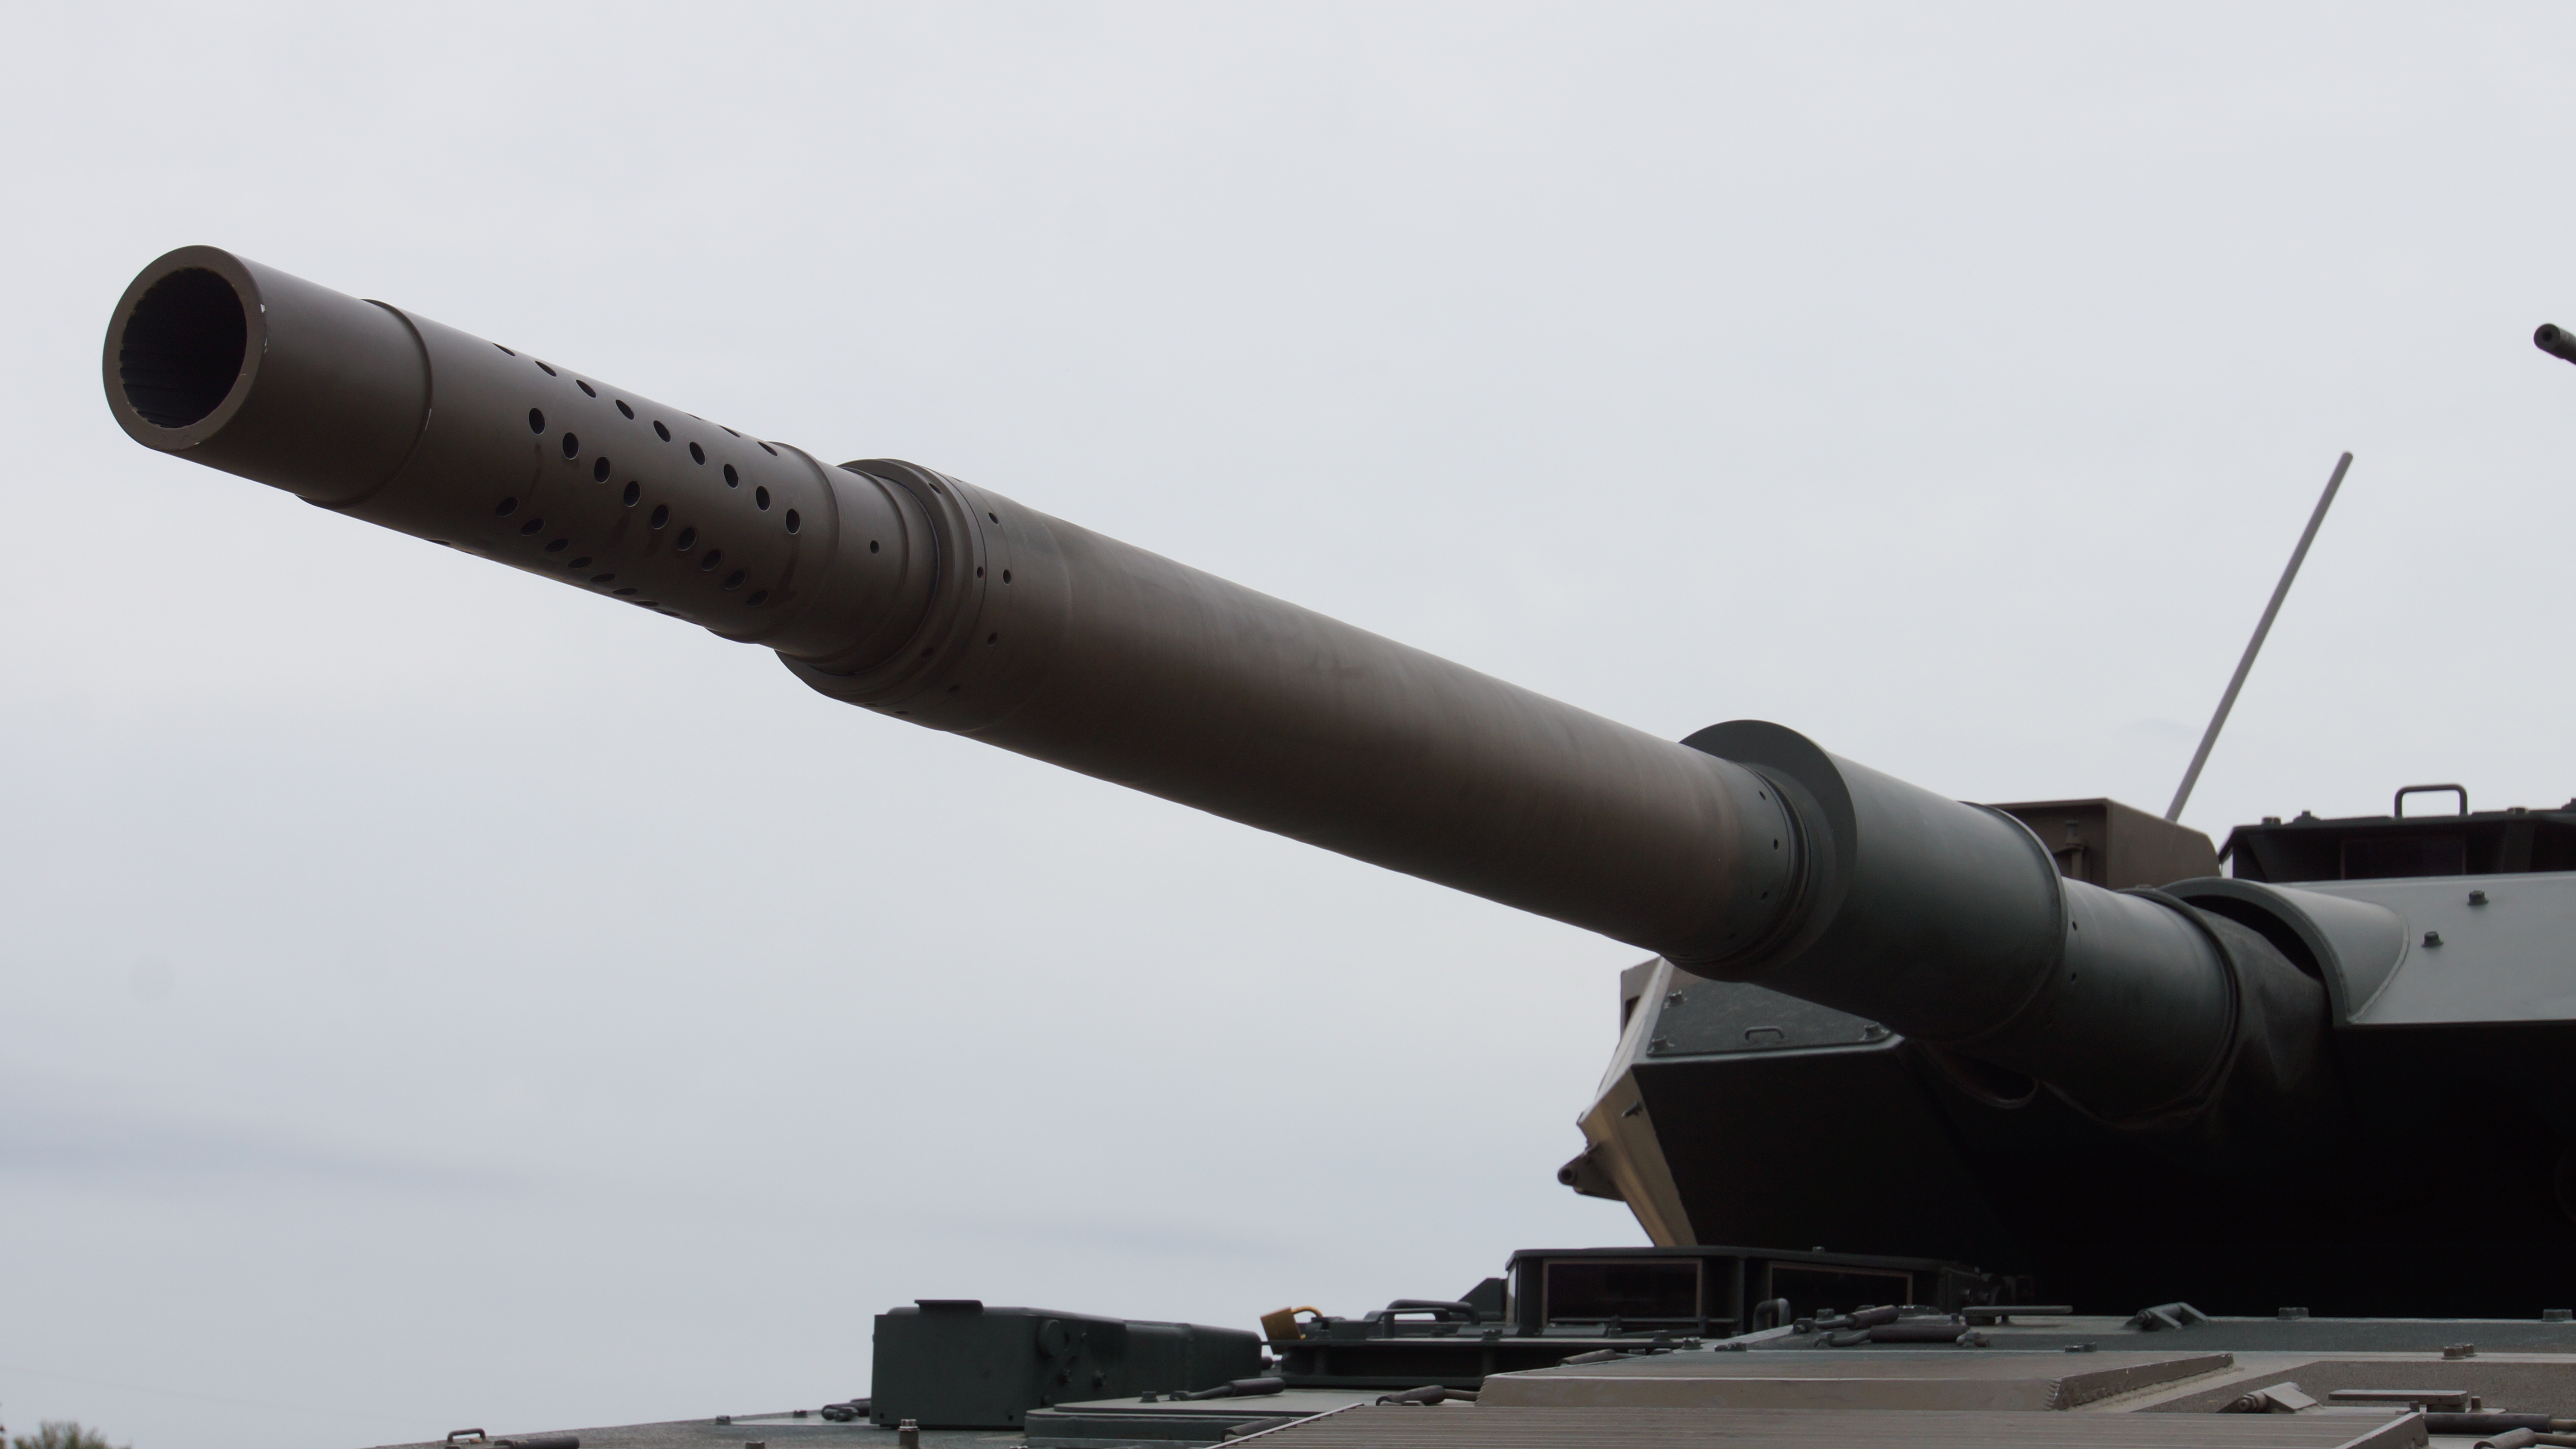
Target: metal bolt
2459,1350
2477,898
2432,938
1673,999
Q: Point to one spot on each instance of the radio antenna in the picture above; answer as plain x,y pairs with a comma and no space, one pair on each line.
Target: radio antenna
2254,645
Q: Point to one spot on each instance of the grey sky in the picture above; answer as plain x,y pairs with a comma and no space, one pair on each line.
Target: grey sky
432,997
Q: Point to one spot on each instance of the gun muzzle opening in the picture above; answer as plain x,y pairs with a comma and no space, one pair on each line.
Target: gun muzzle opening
180,352
222,361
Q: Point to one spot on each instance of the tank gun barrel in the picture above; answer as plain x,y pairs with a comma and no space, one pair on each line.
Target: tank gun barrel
2555,340
1745,852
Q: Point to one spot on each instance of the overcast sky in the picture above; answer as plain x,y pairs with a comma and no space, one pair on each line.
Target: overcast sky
435,997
